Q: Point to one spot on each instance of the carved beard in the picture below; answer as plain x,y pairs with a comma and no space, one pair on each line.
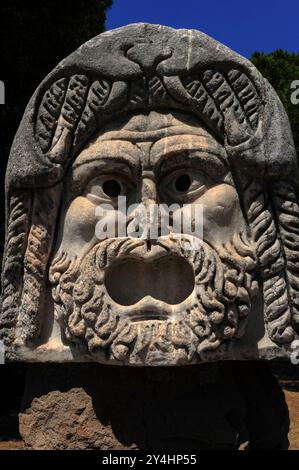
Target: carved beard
223,288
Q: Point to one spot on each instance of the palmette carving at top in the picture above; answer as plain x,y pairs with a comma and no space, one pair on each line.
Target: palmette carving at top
217,105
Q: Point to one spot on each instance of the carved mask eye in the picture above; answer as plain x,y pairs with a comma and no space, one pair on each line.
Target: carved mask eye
112,188
107,188
185,185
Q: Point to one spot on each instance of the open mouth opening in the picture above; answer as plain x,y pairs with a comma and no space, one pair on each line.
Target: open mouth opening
169,279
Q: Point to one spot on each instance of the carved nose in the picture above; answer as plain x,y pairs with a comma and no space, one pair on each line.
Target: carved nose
148,188
149,198
169,279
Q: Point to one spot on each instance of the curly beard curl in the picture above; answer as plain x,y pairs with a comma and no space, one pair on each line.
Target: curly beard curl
224,285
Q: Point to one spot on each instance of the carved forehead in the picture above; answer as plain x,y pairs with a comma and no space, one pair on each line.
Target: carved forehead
167,131
151,121
152,125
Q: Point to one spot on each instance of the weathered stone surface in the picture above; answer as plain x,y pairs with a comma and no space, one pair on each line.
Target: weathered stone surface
227,406
159,116
66,421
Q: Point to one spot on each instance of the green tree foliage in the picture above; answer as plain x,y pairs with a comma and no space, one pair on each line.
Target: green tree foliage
281,68
34,36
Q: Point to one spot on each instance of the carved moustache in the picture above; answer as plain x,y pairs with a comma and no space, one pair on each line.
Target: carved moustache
98,300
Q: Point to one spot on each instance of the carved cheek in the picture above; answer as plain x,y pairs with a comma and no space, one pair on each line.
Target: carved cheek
222,216
78,232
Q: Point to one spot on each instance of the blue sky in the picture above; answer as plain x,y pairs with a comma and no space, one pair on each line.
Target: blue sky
245,26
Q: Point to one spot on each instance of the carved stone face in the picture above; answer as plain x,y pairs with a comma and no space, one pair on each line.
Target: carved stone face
144,300
102,127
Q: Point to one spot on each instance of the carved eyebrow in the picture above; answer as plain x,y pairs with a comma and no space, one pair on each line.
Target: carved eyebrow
210,162
107,150
105,159
87,170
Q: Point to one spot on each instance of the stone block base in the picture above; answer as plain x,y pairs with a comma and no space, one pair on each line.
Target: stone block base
212,406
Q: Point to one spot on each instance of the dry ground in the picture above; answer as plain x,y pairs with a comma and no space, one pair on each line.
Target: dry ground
291,390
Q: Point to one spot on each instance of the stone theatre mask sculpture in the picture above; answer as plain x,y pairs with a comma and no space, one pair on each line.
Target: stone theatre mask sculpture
158,116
